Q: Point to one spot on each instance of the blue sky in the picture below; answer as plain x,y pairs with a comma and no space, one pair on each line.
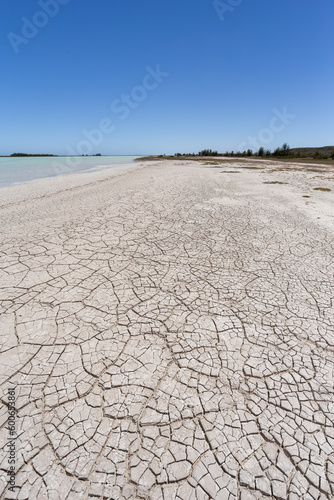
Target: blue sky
258,72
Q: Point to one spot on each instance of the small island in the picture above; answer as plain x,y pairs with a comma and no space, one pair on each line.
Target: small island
19,155
34,155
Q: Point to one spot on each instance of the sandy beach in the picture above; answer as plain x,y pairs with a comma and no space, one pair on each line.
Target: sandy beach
168,333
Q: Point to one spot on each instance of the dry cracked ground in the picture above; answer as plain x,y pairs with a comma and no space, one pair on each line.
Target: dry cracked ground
169,334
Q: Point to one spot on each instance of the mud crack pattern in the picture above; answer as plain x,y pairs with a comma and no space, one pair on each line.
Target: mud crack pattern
169,338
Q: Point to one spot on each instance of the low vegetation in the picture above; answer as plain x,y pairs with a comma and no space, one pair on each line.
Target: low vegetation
275,182
323,153
19,155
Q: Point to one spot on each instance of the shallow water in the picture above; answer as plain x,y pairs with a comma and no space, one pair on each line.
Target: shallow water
25,169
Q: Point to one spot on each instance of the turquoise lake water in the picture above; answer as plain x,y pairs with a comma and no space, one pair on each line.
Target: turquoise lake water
22,170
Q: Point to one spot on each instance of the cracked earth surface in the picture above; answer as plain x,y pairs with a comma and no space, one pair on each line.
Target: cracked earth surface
170,335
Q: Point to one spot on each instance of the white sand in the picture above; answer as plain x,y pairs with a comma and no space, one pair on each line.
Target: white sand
169,332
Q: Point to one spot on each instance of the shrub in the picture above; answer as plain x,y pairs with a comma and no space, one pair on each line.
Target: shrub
208,152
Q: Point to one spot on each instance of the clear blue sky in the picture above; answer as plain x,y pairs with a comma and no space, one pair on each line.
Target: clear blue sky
227,72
